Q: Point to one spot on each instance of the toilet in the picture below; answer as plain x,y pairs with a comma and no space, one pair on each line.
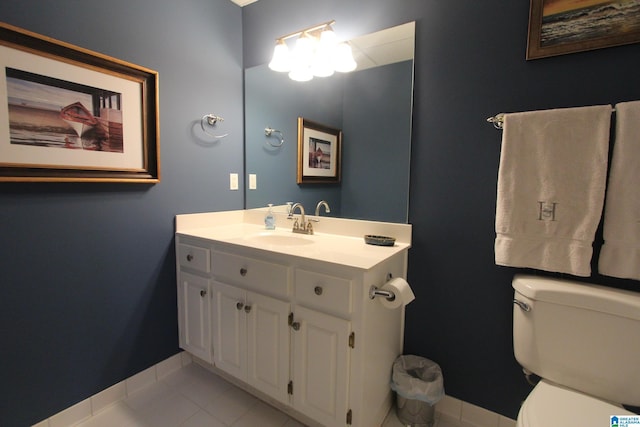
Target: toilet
583,341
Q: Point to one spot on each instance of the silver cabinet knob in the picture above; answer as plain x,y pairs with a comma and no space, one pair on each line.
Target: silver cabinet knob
203,293
239,305
243,271
247,308
295,326
318,290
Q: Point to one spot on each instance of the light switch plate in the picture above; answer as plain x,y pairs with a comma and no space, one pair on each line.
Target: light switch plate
253,181
233,181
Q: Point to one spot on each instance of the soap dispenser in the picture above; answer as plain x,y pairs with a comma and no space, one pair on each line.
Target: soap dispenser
269,219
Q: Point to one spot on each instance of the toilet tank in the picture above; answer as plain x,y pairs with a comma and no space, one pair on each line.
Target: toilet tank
585,337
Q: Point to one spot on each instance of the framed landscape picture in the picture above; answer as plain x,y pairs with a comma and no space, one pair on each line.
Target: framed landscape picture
319,150
73,114
558,27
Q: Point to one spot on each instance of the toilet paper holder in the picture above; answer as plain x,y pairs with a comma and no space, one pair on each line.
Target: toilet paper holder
374,291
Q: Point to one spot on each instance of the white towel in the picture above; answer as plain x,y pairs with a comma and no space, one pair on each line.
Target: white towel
551,185
620,254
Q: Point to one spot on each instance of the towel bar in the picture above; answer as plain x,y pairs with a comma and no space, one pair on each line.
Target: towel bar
211,120
498,119
268,131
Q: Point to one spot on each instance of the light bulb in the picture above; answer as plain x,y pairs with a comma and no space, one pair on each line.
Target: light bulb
301,74
303,50
302,58
281,60
322,65
328,39
343,59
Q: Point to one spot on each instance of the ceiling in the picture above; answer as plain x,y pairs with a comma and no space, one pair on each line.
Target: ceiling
384,47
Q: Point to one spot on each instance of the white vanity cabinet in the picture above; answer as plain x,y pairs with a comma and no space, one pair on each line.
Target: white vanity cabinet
250,329
194,298
293,324
321,337
321,362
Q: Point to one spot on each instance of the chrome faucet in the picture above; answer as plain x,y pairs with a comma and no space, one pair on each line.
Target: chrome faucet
293,209
326,207
303,226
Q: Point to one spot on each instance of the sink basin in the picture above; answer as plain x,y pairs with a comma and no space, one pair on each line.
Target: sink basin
280,240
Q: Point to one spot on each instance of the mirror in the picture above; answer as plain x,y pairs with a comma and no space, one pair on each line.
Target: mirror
372,106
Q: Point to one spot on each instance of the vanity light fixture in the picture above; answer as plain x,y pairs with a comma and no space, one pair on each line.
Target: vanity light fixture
316,53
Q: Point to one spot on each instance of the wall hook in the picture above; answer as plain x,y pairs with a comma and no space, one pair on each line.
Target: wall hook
211,120
268,131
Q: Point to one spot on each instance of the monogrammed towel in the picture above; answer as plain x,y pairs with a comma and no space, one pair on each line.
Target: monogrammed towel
551,185
620,254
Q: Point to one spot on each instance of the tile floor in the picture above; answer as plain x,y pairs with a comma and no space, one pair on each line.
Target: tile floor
171,395
190,397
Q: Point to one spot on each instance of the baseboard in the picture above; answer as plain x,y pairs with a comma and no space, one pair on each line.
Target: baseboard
89,407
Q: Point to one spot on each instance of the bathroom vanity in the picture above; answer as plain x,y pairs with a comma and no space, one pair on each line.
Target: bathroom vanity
289,317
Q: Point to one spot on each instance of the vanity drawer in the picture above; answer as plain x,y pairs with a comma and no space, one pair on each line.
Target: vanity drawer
194,257
250,273
327,293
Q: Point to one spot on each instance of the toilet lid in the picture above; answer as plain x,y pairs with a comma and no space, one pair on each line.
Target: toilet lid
553,405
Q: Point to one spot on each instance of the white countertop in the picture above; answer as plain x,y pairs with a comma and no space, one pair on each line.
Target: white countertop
335,240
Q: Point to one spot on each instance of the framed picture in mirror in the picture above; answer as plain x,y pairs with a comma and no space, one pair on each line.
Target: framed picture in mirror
319,153
558,27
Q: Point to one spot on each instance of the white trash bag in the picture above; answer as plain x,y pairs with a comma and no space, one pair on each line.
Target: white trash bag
417,378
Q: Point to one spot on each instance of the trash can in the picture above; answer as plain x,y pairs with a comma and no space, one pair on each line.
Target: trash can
419,385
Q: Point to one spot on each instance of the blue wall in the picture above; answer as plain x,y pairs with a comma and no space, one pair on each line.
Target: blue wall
88,270
377,128
470,64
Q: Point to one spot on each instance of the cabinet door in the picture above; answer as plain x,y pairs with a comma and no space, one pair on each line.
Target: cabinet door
268,345
321,366
229,330
194,304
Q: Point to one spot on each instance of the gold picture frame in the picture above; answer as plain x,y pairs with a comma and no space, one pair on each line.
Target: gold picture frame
566,26
319,153
74,115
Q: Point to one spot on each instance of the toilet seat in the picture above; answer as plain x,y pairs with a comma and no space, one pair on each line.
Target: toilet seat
550,404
